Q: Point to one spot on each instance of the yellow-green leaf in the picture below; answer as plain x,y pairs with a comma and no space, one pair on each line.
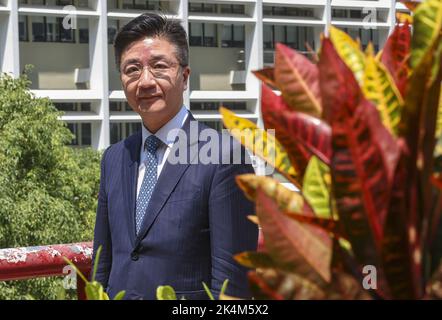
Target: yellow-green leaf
316,187
379,87
253,260
120,295
285,198
259,142
426,30
94,291
166,293
439,118
349,51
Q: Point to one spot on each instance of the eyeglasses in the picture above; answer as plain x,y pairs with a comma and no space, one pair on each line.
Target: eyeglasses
157,69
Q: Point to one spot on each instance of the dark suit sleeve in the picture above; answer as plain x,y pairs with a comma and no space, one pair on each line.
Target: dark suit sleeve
230,230
102,233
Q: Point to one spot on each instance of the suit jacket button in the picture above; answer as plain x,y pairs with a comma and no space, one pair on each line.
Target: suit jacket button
134,256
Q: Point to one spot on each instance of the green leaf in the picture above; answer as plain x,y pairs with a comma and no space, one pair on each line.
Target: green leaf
427,24
285,198
349,51
97,257
316,187
95,291
258,141
120,295
224,287
166,293
379,88
209,293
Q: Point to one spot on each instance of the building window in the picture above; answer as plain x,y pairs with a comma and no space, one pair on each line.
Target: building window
65,3
82,134
365,36
355,14
233,36
73,106
23,28
116,106
203,34
288,11
112,29
153,5
86,134
215,105
202,7
83,30
232,8
122,130
214,124
215,8
50,29
295,37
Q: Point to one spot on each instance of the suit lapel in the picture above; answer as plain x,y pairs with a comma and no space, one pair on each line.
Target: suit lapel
130,167
168,179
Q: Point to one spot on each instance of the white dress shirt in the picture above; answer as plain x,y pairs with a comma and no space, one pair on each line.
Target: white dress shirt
163,151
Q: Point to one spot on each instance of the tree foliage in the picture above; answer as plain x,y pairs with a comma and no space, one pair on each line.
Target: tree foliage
48,190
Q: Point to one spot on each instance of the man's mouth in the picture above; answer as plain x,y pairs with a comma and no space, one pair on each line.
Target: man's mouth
149,98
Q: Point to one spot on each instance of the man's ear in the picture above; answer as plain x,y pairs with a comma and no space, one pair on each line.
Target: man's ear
186,75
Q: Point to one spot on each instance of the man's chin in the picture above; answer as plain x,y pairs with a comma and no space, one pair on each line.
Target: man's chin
154,107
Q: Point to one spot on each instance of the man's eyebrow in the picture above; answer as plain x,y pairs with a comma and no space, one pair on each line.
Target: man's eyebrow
159,57
133,60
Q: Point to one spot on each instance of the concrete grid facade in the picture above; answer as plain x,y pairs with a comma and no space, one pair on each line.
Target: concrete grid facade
75,67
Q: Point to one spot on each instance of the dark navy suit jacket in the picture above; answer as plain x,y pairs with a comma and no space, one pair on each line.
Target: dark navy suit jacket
195,222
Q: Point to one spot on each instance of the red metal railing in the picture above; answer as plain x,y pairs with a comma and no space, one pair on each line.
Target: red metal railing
46,261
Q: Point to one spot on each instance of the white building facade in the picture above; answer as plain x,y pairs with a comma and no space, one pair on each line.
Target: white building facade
74,65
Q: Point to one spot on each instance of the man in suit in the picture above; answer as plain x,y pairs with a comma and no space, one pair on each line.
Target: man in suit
160,222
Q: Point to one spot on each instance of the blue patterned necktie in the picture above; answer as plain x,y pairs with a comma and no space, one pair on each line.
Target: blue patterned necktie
150,179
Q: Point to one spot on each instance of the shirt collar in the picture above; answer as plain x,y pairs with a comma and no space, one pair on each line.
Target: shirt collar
163,133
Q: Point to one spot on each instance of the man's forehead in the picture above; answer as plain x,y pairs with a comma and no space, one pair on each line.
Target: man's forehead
152,48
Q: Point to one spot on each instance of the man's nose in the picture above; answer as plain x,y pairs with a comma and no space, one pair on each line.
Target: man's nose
146,79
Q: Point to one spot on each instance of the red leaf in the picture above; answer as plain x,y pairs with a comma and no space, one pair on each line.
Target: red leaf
396,53
267,75
301,134
399,254
272,105
260,288
292,243
298,80
328,225
364,156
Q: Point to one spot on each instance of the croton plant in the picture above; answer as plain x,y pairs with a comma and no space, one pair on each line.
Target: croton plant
358,133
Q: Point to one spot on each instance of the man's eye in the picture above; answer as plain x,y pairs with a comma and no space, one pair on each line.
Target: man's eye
132,70
161,66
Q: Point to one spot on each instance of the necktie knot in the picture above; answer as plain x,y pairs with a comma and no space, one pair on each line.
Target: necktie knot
152,143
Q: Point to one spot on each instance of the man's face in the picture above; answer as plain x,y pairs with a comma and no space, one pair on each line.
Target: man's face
153,80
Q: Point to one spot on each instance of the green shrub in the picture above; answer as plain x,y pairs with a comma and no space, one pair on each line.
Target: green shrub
48,190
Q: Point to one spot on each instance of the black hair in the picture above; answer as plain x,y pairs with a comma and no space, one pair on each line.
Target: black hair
153,25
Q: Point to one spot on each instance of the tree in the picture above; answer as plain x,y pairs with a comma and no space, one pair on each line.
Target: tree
48,190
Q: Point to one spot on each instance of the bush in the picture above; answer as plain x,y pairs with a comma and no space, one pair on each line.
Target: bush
48,190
